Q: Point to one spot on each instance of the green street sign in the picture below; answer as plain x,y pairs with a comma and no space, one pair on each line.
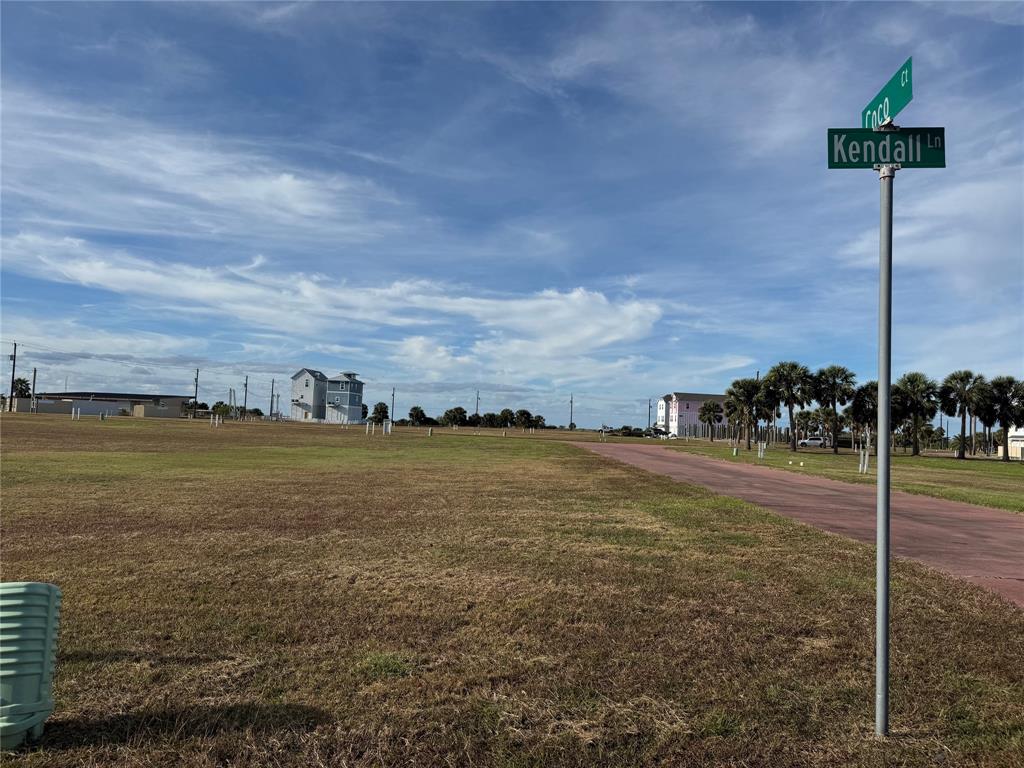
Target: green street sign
906,147
893,97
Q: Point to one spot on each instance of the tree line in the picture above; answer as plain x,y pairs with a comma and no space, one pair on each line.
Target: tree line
459,417
915,400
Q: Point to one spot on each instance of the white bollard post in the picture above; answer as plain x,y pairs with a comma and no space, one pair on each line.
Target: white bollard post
367,427
430,431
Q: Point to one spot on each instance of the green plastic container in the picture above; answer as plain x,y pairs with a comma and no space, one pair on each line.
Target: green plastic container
29,619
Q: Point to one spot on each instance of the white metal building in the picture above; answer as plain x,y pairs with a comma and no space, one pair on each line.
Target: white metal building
1016,441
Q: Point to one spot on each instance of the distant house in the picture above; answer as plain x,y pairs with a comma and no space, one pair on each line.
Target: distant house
677,412
336,400
109,403
344,399
1016,441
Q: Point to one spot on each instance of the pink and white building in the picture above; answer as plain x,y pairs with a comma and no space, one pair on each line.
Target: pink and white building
677,413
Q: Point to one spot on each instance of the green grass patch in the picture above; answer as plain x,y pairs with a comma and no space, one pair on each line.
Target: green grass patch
982,481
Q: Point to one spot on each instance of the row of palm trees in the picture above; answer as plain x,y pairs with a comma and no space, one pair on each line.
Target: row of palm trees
915,400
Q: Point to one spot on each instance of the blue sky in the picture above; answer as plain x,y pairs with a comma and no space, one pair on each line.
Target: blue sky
530,199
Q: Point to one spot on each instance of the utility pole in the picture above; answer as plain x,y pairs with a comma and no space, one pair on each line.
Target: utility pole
245,397
14,365
392,412
571,404
478,402
271,399
33,406
648,413
195,399
279,405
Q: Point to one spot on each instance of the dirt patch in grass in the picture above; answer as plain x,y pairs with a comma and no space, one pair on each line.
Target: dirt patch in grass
310,596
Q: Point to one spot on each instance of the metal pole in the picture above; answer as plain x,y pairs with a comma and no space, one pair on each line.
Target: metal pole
271,399
195,398
391,413
885,176
33,406
14,365
245,397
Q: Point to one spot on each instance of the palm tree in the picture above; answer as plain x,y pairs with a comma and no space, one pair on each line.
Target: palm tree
955,396
711,413
803,422
919,397
979,395
985,409
1008,405
834,386
417,416
899,417
766,404
864,406
22,388
794,384
741,403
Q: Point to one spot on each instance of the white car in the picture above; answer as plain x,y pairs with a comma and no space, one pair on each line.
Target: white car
813,442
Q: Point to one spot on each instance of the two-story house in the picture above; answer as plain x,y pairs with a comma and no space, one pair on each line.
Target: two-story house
336,400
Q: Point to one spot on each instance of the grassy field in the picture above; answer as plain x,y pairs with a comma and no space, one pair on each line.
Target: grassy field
987,482
307,596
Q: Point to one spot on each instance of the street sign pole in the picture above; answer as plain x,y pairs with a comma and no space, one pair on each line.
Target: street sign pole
885,147
886,175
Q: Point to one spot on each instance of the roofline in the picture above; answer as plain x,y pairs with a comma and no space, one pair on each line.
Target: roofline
84,395
693,396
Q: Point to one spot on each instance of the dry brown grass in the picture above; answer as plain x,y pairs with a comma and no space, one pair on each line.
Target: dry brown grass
299,595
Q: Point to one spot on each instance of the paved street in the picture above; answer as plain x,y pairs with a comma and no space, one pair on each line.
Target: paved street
983,545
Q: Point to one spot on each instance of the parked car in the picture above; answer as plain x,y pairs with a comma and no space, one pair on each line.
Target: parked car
813,442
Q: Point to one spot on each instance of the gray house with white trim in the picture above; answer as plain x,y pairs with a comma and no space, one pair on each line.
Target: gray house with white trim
344,399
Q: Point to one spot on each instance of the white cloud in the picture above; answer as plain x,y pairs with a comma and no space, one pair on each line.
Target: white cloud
548,333
1009,12
71,166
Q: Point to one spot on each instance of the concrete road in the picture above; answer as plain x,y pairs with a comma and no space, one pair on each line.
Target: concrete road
982,545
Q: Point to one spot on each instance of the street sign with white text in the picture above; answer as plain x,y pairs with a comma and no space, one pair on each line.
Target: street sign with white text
893,97
905,147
